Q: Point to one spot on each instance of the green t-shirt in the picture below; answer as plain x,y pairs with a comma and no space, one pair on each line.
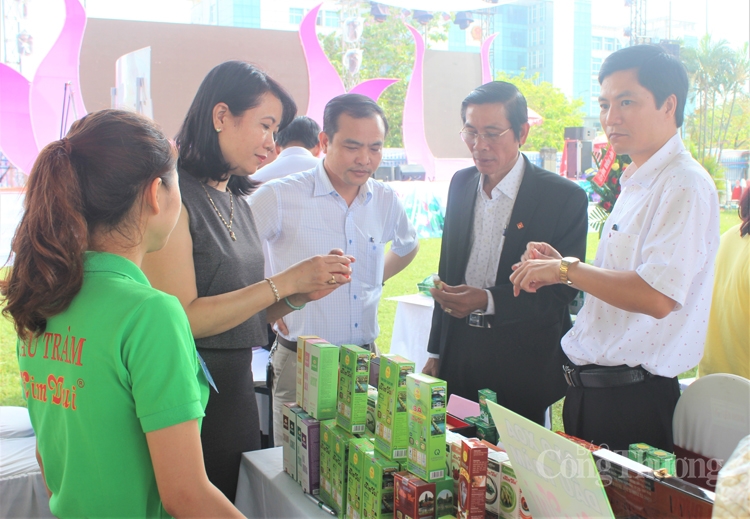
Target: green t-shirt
118,363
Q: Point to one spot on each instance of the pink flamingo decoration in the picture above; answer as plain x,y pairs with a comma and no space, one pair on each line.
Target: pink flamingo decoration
325,83
33,114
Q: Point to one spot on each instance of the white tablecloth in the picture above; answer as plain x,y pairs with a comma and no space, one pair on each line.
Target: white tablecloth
411,328
265,490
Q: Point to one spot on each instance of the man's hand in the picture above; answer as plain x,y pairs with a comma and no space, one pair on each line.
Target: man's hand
539,250
533,274
431,367
461,300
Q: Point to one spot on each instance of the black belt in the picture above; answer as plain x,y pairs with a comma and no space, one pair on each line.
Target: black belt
292,345
593,376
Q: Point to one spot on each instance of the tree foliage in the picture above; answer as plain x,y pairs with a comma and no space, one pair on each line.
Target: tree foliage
388,52
557,111
719,76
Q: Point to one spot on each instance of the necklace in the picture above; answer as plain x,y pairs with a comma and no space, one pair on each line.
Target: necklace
231,212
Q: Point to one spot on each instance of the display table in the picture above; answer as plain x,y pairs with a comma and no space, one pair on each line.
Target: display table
265,490
411,328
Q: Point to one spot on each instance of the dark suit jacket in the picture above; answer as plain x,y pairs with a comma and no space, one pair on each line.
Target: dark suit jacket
548,208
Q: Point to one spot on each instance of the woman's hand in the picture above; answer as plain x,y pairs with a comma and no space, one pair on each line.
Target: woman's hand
318,276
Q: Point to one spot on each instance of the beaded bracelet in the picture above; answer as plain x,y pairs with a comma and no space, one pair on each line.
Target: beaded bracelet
293,307
275,291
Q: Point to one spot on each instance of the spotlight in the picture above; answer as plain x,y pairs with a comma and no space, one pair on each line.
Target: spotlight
422,17
463,19
378,11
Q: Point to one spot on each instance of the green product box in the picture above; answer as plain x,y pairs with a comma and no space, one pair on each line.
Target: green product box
354,373
377,487
321,378
658,459
359,450
326,439
484,431
372,404
425,399
639,451
289,412
486,395
446,501
300,394
340,440
391,421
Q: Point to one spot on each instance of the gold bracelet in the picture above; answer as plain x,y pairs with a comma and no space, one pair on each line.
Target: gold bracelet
275,291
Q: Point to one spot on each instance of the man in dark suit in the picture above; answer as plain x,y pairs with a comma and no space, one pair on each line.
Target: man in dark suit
482,336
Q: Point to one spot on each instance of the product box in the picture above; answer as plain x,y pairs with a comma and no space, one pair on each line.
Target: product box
391,422
446,502
377,487
301,367
510,492
289,413
486,395
472,483
426,398
359,450
326,439
459,426
413,497
495,461
453,457
338,467
308,453
321,379
483,431
372,404
354,374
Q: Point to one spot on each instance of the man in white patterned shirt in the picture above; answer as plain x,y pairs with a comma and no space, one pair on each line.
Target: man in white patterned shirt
648,295
336,205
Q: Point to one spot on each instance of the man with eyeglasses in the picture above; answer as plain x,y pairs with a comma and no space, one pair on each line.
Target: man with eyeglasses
483,337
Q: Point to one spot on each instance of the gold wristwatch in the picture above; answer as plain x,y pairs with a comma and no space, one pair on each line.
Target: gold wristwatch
565,264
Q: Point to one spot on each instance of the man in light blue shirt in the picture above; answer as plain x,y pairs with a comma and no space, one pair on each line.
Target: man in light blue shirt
298,148
336,205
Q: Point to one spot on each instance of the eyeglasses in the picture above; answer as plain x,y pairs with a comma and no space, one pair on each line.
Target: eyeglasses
470,138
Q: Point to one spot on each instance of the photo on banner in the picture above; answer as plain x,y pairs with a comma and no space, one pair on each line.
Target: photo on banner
558,477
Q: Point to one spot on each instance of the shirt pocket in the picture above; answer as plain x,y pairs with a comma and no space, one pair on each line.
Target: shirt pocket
621,250
374,262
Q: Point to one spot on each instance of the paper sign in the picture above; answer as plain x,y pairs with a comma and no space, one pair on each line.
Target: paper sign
606,166
558,478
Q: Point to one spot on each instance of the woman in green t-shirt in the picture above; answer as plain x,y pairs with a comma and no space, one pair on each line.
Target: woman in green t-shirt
108,365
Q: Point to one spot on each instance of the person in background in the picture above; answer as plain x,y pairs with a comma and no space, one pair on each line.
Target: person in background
728,339
108,366
481,336
736,191
335,206
213,261
298,148
648,292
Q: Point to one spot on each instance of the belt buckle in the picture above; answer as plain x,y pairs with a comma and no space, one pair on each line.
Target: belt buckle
477,320
568,372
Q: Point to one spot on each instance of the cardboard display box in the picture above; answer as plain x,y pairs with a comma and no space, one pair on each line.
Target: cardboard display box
391,422
301,367
413,498
426,399
354,374
338,467
372,412
446,502
495,461
377,487
308,453
326,439
289,412
321,379
359,450
472,483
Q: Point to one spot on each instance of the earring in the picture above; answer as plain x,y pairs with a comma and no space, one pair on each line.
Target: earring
218,130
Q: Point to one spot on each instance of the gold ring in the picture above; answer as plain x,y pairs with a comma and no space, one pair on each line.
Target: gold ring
448,311
332,281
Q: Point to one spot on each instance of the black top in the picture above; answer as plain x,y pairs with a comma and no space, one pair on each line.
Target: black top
221,264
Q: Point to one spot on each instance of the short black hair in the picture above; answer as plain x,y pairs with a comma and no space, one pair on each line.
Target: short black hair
301,129
353,105
241,86
659,72
504,93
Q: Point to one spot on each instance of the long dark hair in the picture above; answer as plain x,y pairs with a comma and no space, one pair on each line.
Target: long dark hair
744,211
241,86
85,183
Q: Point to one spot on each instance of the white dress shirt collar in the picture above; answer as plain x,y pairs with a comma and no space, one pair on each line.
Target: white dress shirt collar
646,174
509,185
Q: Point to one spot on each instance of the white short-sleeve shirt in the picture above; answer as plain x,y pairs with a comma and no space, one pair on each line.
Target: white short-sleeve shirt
302,215
665,227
